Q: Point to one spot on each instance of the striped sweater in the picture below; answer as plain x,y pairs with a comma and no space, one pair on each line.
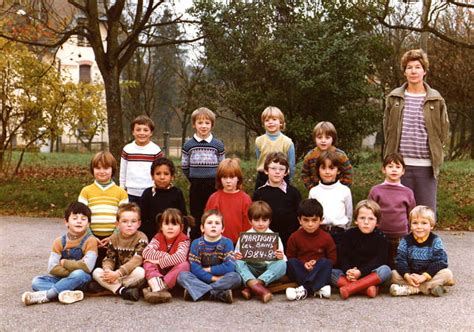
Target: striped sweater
104,203
174,254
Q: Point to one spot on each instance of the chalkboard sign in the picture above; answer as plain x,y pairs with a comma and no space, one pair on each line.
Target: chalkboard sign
258,246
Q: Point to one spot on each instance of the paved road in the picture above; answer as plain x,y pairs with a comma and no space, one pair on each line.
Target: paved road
24,250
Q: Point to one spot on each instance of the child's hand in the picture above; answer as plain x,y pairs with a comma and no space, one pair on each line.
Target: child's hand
353,274
110,276
237,255
309,265
61,262
279,254
410,280
419,278
207,269
104,242
215,278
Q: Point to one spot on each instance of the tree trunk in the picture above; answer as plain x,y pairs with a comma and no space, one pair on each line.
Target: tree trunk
114,111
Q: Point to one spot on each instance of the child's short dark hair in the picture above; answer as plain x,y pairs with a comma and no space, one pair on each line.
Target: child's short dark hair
332,156
175,217
210,213
203,112
229,167
394,157
104,158
325,128
310,207
128,207
369,205
163,161
143,120
77,208
277,158
259,210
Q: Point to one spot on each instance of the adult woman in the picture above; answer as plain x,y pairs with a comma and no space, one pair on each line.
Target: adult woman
416,125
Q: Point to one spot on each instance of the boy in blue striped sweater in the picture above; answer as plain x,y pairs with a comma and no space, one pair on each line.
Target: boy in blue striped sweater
421,262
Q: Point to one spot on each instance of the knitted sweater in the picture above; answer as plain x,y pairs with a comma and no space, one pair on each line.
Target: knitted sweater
309,172
284,207
268,143
396,202
176,251
413,257
307,246
233,207
218,255
135,165
154,201
364,251
104,203
200,159
125,254
336,200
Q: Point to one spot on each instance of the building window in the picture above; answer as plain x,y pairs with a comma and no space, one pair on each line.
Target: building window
85,73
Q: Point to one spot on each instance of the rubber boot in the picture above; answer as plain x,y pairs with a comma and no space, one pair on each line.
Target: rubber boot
342,281
259,290
246,293
362,284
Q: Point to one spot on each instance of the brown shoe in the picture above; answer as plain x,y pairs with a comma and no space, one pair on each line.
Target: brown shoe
246,293
264,294
156,297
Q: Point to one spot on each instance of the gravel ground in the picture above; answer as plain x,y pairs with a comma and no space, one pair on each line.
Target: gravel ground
24,249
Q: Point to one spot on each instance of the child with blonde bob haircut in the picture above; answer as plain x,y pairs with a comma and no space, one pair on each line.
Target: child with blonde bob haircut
273,120
230,199
166,255
325,137
421,262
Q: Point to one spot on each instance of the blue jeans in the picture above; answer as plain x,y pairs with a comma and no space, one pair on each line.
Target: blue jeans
198,288
312,280
267,273
383,272
77,279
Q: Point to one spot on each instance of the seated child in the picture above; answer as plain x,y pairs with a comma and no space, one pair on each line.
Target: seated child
161,196
283,198
325,137
212,263
395,201
166,255
257,274
311,254
363,256
121,271
335,198
230,199
421,262
70,262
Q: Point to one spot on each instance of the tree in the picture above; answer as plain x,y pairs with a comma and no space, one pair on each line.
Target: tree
114,30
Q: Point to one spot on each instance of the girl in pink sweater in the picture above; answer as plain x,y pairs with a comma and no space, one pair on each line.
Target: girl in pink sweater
166,255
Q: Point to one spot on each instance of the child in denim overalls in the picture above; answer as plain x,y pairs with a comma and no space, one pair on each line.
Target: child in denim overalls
71,260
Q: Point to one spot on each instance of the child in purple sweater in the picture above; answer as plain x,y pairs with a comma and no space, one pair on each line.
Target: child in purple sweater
395,200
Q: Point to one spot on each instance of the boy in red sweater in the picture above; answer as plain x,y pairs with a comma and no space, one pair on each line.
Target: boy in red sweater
311,254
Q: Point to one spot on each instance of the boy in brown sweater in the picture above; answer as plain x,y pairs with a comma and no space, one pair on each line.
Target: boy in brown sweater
121,270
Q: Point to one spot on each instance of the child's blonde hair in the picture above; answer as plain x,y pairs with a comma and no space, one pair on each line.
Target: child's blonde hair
259,209
203,112
104,159
325,128
128,207
229,167
423,211
175,217
369,205
273,111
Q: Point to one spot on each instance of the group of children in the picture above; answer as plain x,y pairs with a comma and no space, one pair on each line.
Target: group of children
137,237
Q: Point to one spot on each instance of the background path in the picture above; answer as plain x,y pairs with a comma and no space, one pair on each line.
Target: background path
25,244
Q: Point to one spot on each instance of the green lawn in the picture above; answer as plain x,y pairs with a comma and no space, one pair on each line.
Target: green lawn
48,182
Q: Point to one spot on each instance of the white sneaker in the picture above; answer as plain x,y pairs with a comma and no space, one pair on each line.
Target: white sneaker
34,297
69,296
297,294
324,292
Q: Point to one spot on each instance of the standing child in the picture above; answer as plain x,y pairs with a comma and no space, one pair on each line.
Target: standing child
70,262
103,198
200,157
363,255
395,200
257,275
166,255
311,254
121,271
230,199
212,263
421,262
282,197
335,198
273,140
161,196
137,157
325,137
